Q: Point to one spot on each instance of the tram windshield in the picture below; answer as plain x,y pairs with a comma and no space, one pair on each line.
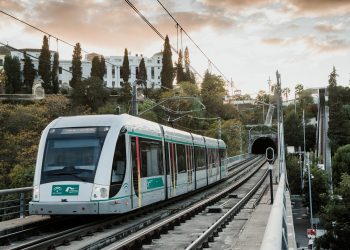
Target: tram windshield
72,154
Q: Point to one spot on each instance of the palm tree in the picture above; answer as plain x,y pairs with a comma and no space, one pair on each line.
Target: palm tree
286,92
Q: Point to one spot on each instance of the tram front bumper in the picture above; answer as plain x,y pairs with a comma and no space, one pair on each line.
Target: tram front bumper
52,208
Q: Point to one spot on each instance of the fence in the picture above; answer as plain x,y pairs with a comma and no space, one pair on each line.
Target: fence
14,202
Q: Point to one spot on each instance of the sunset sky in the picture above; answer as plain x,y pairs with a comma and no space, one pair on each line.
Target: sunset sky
247,39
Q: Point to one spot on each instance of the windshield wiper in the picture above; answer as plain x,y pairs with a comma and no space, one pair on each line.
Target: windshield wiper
75,174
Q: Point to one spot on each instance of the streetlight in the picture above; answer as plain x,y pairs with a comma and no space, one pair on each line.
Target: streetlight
310,195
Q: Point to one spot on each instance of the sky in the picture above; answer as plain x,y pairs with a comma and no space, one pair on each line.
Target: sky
248,40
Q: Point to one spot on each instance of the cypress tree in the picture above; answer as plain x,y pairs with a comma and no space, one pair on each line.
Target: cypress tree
179,69
142,75
12,69
188,75
45,65
167,73
29,73
76,66
125,70
95,67
54,74
102,67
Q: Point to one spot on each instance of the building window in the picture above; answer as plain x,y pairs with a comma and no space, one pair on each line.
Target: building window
70,68
113,72
113,84
158,61
158,77
137,71
60,70
152,72
1,62
60,82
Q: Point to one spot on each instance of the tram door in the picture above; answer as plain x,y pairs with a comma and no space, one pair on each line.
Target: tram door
171,168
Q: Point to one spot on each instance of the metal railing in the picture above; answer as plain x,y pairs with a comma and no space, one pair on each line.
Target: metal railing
14,203
235,158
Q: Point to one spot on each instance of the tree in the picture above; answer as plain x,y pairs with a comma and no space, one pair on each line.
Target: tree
44,67
341,163
2,81
142,75
286,92
12,69
76,66
125,69
188,75
293,130
98,67
102,67
332,81
29,73
299,89
319,187
212,93
167,73
54,74
91,92
179,69
293,170
335,218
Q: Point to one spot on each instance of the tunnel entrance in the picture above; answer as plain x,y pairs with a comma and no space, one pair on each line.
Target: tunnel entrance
261,144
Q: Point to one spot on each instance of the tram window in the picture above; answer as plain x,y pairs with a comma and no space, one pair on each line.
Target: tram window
151,158
222,156
119,166
181,158
200,158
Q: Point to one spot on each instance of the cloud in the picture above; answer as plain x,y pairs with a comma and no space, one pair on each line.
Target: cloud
324,7
275,41
237,4
329,44
327,28
111,24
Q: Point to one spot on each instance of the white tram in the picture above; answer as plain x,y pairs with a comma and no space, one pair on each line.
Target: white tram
103,164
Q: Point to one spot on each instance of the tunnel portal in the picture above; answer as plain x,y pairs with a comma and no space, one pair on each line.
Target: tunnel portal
260,145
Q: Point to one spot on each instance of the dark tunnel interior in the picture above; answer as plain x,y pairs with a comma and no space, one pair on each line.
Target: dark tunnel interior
261,144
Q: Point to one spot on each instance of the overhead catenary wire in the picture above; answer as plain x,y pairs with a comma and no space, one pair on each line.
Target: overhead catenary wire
182,29
158,33
29,55
65,42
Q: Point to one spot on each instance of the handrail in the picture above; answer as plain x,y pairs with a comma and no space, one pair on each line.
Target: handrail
15,190
274,236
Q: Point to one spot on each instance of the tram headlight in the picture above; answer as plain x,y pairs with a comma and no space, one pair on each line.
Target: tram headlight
36,193
100,192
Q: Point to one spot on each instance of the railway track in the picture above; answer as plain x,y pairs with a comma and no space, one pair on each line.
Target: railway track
102,229
201,222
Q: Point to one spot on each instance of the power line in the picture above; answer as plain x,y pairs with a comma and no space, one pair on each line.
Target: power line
29,55
205,55
157,32
68,43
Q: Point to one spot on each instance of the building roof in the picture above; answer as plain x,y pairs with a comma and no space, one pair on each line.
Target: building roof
159,54
33,50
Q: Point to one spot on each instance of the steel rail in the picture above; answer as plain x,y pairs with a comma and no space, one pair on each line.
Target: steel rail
214,229
187,213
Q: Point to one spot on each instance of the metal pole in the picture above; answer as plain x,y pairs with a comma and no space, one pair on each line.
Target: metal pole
271,186
310,196
134,101
302,173
21,205
219,132
240,146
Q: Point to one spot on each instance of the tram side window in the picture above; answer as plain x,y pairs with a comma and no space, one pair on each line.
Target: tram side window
181,158
200,158
222,156
118,166
151,158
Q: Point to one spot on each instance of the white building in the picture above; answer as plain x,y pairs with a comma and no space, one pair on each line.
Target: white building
112,78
